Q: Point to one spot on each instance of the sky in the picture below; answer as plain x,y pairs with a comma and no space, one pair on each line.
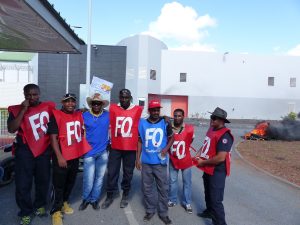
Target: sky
269,27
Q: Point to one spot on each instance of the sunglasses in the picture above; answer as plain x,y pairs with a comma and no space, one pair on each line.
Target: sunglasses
96,103
213,118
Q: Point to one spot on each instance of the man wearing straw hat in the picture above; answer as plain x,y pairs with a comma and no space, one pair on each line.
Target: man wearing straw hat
96,123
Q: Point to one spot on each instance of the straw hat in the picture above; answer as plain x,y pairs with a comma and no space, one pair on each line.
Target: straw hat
96,98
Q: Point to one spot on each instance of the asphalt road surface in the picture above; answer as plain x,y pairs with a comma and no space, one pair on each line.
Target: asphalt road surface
251,198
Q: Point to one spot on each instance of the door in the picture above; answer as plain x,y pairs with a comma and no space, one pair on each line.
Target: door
166,107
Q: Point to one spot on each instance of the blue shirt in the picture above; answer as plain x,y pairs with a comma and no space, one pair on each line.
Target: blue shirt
96,132
154,138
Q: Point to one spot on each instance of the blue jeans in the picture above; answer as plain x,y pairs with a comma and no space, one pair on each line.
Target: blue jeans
173,184
93,172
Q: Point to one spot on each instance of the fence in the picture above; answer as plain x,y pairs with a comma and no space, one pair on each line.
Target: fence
5,137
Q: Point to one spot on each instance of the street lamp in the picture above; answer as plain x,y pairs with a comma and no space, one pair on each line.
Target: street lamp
88,53
68,65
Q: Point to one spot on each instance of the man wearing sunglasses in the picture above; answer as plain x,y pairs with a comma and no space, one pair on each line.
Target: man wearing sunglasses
124,120
96,123
214,160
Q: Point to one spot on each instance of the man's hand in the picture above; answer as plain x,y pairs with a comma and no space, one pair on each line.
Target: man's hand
25,105
138,164
164,152
198,161
62,162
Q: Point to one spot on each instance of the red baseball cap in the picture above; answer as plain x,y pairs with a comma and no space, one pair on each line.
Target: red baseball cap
154,104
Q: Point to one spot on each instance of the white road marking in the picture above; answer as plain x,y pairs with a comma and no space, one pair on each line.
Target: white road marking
130,217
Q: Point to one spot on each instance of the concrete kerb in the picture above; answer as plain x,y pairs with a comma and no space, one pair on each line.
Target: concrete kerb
262,170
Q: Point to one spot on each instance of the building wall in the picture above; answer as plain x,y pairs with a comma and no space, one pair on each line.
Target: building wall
107,62
13,77
236,82
143,55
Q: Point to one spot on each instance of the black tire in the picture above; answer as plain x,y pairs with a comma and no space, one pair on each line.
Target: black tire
8,165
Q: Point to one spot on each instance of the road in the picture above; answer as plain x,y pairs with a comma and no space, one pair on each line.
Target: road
251,198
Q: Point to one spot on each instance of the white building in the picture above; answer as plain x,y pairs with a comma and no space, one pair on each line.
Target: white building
246,86
16,70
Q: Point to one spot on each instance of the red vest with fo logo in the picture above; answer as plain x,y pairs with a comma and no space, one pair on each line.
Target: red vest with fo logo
209,149
34,126
70,134
124,127
180,151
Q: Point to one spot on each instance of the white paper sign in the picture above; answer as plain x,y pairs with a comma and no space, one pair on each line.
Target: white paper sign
101,86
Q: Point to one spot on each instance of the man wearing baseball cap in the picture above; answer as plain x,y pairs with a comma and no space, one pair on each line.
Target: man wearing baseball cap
69,144
214,160
155,140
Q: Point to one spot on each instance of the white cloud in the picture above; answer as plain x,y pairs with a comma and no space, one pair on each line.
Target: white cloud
181,24
294,51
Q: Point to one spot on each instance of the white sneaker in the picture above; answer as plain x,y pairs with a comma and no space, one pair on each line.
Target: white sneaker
171,204
188,208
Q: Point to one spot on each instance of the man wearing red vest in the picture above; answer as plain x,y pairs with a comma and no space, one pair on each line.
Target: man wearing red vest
69,144
181,159
124,120
32,154
214,160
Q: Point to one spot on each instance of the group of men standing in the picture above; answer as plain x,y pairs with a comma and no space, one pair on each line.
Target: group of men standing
144,143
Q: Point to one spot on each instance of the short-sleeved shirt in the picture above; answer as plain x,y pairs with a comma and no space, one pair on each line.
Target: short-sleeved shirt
224,145
52,126
96,132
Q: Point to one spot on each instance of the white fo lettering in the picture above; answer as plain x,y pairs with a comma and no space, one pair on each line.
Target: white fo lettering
205,148
41,123
73,129
179,148
151,134
121,123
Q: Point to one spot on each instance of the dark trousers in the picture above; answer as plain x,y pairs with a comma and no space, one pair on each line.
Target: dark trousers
63,180
157,174
214,192
27,170
113,170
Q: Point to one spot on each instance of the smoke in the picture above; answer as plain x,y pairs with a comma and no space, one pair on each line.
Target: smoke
287,130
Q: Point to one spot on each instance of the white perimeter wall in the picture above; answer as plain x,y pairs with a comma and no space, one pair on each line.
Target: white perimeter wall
236,82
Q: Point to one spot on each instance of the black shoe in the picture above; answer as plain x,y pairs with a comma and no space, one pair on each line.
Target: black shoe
84,204
166,220
124,201
148,216
95,205
108,201
205,214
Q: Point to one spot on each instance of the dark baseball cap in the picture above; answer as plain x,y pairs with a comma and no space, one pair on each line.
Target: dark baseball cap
69,95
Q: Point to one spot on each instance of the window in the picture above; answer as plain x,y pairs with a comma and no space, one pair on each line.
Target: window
182,77
293,82
271,81
152,74
142,101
